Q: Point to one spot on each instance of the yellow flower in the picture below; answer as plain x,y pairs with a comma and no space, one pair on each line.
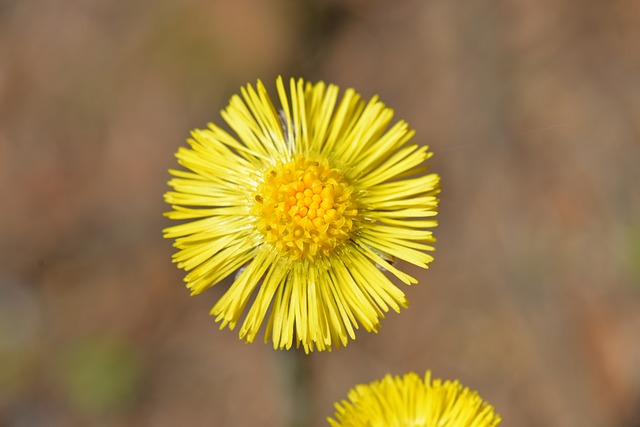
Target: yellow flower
409,401
312,201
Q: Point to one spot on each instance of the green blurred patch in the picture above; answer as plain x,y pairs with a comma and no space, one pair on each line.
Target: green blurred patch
632,255
100,375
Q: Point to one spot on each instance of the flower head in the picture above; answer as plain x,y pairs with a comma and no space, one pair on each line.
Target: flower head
410,401
311,201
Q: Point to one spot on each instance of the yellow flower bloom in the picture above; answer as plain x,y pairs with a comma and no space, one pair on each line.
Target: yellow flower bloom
313,200
409,401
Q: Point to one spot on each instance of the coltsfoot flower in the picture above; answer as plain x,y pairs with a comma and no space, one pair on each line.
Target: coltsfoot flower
311,202
410,401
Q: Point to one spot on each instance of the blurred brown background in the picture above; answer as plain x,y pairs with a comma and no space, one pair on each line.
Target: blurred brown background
531,106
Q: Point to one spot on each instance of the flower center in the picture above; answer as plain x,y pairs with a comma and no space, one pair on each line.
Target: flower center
304,208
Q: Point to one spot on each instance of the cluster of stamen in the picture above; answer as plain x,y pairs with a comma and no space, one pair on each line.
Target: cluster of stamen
304,208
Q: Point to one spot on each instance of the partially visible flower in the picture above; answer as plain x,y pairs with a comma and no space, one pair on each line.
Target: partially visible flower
410,401
311,201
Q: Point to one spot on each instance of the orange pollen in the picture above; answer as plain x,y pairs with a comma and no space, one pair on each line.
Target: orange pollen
304,208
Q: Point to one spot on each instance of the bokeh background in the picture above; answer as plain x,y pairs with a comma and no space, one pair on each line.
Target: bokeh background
531,106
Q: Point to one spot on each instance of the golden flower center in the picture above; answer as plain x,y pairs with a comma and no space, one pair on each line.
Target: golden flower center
304,208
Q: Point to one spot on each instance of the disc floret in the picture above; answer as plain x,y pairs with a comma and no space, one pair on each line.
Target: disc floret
305,208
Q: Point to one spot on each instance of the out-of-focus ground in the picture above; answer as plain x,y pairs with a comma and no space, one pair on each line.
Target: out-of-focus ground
532,108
